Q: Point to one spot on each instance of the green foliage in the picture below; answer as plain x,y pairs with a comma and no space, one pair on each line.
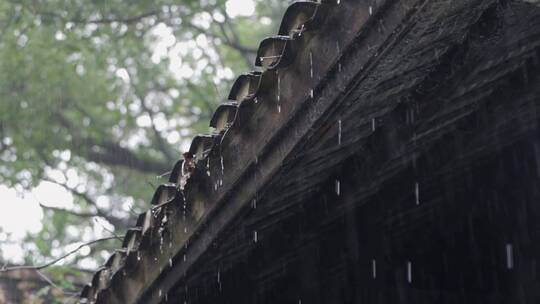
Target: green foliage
90,91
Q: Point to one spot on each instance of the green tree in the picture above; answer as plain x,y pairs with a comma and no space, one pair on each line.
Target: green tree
100,97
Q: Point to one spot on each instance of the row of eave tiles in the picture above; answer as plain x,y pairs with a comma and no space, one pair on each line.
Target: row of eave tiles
274,53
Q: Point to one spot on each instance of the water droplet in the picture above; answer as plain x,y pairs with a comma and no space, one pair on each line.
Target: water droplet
370,10
311,64
374,268
159,293
311,93
278,88
409,271
279,109
373,124
185,257
170,262
208,166
417,193
254,203
222,166
339,132
509,256
255,236
338,52
338,187
138,256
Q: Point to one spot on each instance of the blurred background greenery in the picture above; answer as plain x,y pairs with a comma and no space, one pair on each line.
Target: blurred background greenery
97,101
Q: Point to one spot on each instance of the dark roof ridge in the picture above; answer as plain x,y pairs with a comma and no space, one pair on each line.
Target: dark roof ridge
300,17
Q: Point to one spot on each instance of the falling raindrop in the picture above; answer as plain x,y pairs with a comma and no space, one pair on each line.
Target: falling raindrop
254,203
208,166
185,257
159,293
279,109
338,187
222,166
373,124
417,193
339,132
311,93
138,256
311,64
370,10
170,262
338,52
255,236
409,271
509,256
278,88
374,268
220,182
255,100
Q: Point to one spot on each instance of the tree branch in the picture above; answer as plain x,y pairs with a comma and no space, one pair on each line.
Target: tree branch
115,155
52,262
163,147
125,20
116,222
62,210
108,152
246,52
120,19
54,285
